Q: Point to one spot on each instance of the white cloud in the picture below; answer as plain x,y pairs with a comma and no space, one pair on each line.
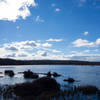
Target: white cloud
53,4
24,50
87,51
10,55
54,40
42,53
57,9
46,45
11,10
86,33
83,43
28,50
56,51
84,57
98,41
11,48
15,46
38,19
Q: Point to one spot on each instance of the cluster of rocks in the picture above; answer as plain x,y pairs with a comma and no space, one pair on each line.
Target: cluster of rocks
27,74
30,74
54,74
9,73
44,87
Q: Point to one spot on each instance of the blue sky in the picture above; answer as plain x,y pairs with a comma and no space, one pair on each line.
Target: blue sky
50,29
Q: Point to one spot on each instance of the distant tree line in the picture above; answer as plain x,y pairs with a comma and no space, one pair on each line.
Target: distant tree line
6,61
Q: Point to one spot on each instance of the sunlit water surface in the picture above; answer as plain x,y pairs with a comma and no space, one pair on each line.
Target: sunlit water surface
85,75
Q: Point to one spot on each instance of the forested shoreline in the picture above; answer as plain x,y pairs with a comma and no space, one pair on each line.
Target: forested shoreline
6,61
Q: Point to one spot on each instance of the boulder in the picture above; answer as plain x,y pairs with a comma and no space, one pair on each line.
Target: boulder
49,74
37,87
9,73
56,74
30,74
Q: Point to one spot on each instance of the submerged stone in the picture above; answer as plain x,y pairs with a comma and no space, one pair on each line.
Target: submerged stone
70,80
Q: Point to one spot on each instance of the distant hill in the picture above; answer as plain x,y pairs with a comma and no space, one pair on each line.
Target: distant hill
45,62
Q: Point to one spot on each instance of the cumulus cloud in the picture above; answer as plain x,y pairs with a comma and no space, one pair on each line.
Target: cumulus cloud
11,10
57,9
46,45
98,41
11,48
25,45
30,50
83,43
25,50
14,46
12,55
87,51
38,19
21,50
54,40
56,51
84,57
42,53
86,33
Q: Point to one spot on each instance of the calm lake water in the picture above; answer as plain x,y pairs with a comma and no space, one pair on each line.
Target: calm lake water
86,75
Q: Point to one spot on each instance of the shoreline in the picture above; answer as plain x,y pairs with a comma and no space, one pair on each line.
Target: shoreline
6,62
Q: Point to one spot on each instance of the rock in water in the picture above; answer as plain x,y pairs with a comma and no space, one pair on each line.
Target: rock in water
9,73
30,74
70,80
56,74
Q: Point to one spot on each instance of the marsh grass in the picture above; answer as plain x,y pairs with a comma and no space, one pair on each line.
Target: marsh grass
47,88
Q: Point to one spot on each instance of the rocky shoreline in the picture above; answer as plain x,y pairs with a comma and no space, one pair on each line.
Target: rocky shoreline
47,88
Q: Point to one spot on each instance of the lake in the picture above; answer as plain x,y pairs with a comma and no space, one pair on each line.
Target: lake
85,75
